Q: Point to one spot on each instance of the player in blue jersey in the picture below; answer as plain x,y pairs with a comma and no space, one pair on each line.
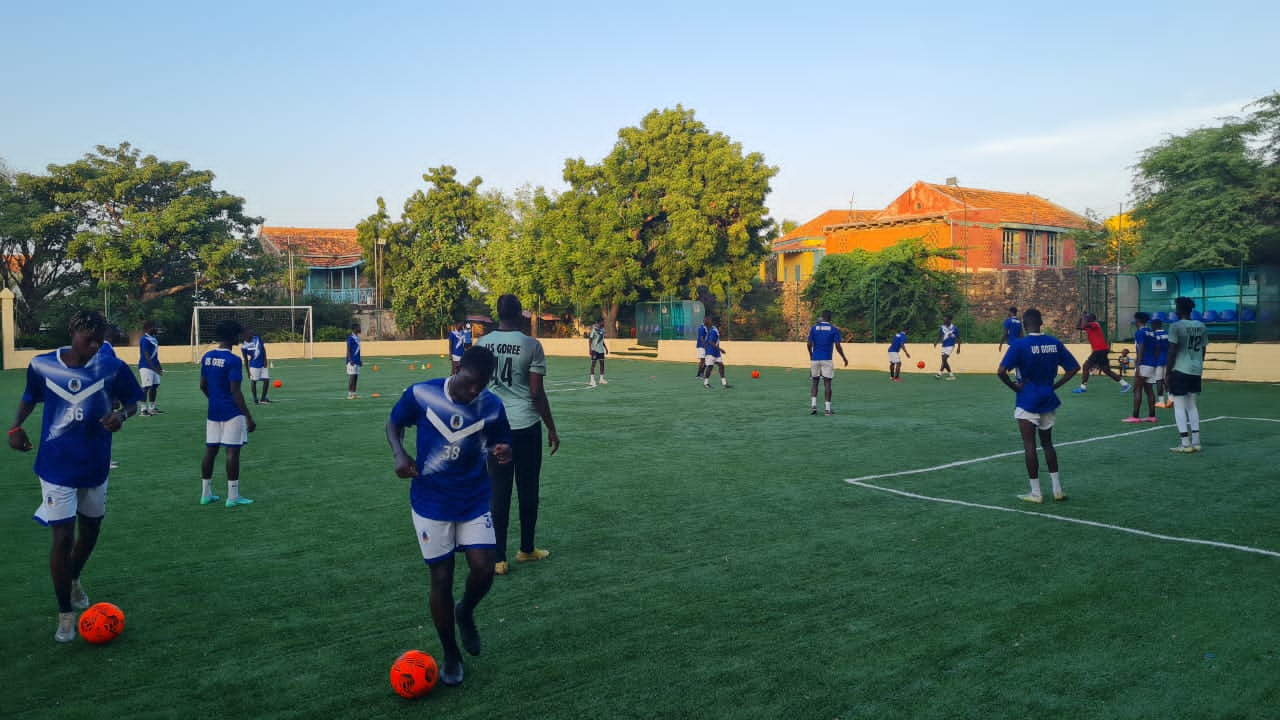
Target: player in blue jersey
949,336
353,360
1038,357
701,347
1162,358
254,352
714,353
229,421
460,425
1011,330
823,338
897,348
457,346
1146,350
149,368
87,396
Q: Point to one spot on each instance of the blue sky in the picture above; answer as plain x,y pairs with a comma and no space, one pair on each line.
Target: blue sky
310,111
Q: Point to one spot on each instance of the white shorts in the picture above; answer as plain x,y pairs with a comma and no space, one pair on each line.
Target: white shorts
261,373
702,352
1159,373
61,503
456,358
946,349
895,357
228,433
148,377
1042,421
822,368
711,360
353,369
439,539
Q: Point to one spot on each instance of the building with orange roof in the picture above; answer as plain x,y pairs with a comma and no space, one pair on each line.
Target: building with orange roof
332,257
1003,240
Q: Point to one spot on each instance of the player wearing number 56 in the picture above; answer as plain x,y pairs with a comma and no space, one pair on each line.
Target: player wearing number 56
460,425
79,387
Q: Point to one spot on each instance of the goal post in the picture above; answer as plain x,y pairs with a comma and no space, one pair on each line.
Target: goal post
273,323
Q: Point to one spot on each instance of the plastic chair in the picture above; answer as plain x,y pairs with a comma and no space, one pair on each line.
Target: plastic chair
1197,315
1227,316
1248,315
1209,316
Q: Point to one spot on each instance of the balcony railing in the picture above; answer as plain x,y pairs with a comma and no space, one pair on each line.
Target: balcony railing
352,296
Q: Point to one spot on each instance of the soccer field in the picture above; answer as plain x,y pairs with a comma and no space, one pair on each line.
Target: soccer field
715,554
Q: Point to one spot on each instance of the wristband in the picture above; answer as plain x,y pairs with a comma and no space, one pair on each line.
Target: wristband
14,429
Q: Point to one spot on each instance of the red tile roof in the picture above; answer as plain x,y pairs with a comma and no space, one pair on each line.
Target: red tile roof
318,247
813,229
1021,208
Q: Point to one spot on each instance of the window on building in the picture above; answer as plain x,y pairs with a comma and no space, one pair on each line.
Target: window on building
1010,253
1053,247
1034,258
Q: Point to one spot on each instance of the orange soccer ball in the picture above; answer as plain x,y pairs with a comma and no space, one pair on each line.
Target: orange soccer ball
101,623
755,373
277,383
920,364
413,674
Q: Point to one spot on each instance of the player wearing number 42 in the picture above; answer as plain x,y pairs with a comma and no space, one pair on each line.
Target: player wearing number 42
459,425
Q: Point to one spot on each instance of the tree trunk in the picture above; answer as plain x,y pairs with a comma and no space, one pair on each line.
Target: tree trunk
610,320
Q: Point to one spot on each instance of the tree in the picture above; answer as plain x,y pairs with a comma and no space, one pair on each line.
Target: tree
1209,198
436,247
672,208
151,225
870,293
524,255
34,261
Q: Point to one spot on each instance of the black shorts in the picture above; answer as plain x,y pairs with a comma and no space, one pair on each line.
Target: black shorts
1183,384
597,355
1098,358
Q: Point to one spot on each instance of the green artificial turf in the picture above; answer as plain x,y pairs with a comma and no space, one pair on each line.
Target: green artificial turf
708,560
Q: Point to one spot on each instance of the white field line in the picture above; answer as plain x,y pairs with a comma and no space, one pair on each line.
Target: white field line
862,482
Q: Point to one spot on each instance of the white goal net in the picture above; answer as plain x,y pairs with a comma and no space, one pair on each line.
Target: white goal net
275,324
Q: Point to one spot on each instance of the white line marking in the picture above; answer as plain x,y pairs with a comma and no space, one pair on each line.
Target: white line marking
861,482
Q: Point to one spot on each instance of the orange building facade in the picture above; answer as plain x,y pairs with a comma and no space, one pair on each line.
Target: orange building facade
988,229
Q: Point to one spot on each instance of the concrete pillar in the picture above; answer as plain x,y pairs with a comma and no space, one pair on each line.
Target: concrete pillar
8,328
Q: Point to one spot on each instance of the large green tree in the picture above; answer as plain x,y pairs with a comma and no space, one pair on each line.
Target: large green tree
673,208
153,227
434,250
871,293
34,237
1210,197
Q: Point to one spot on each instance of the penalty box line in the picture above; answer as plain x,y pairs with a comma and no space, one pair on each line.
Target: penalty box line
862,482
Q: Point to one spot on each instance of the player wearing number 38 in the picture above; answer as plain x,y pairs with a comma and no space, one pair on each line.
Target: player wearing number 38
87,396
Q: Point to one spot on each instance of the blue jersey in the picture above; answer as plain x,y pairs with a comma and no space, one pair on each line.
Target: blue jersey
353,349
1147,345
702,337
457,343
713,342
897,342
1013,327
148,352
75,450
1162,347
1037,358
255,352
823,337
107,349
948,335
454,441
219,368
